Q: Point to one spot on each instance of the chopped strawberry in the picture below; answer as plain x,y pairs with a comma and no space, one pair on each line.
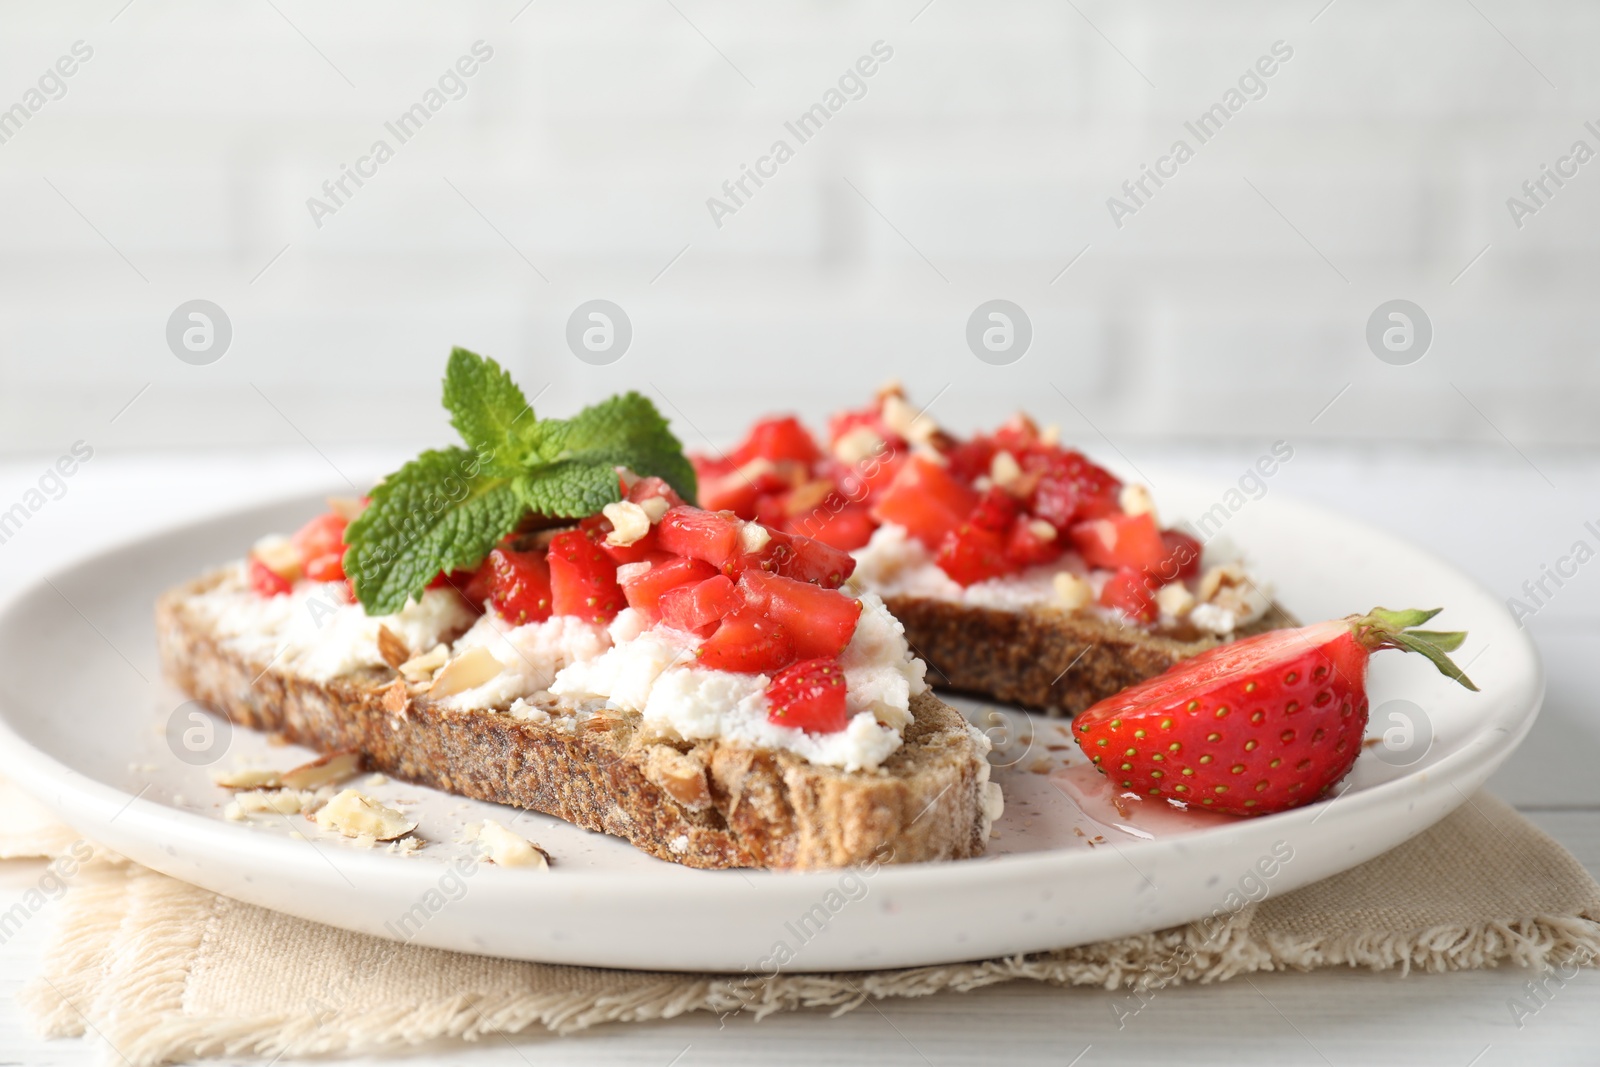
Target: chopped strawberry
645,591
970,460
778,439
747,641
1070,488
1032,542
697,607
1120,541
809,696
871,417
804,559
516,584
648,488
927,500
973,553
996,508
709,535
847,529
320,543
266,581
1182,559
1260,725
583,579
1130,592
820,621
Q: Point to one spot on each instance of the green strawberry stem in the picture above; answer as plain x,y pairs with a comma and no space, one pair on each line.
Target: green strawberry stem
1382,628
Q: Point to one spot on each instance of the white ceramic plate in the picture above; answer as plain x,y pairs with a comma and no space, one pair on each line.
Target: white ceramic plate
85,718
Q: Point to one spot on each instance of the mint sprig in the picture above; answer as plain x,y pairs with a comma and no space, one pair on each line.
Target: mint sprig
446,509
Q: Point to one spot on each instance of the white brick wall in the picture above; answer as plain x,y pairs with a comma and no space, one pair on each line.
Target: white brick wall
990,142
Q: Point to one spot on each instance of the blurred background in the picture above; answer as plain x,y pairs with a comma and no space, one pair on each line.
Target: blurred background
164,160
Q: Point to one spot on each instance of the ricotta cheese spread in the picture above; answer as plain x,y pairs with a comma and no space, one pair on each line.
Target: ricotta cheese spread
314,631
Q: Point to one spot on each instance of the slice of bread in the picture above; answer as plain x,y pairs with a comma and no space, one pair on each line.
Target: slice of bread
706,804
1041,657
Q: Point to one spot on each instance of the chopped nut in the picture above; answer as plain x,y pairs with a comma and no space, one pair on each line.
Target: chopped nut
655,507
469,670
1044,531
892,387
682,777
348,508
1228,589
355,815
1072,592
756,468
396,697
1050,435
1136,500
753,537
509,849
248,778
331,769
421,668
391,648
915,426
808,495
856,445
279,556
1174,599
629,522
629,479
1005,471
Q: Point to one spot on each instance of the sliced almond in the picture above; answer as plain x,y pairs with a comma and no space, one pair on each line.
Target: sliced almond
1174,599
892,387
856,445
1136,500
1044,531
1072,592
509,849
1050,435
421,668
279,556
391,648
469,670
248,778
753,537
354,814
629,522
1005,471
905,420
681,776
348,508
331,769
655,507
808,496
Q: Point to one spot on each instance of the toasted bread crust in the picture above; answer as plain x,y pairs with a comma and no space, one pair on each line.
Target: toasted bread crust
748,808
1041,657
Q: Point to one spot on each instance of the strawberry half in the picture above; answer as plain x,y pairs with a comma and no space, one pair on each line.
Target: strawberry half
1260,725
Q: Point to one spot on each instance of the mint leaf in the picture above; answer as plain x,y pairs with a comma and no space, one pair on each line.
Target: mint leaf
442,511
489,411
570,488
623,431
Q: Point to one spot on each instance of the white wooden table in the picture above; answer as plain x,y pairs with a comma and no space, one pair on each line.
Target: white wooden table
1488,510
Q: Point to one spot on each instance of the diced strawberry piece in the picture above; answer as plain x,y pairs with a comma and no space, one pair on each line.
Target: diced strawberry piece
583,579
996,508
748,641
1129,591
732,491
266,581
709,535
971,459
1017,435
648,488
1025,546
972,553
804,559
1120,541
847,529
516,584
322,536
771,510
1070,489
1182,559
927,500
644,592
820,621
696,607
809,696
778,439
863,480
328,568
842,422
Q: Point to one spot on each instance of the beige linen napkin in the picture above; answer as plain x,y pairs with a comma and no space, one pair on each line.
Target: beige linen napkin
162,971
